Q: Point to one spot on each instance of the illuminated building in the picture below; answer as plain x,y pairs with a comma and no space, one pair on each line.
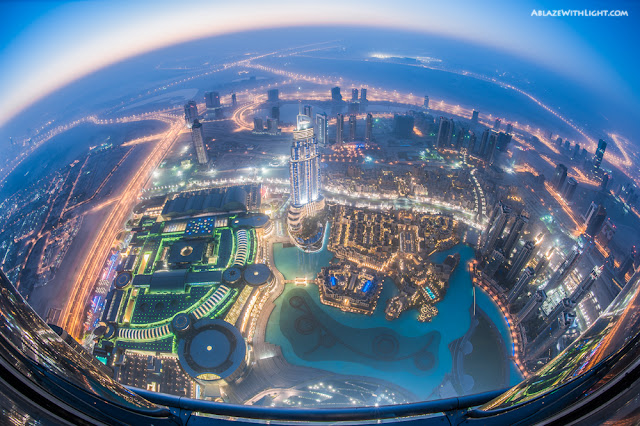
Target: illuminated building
496,124
339,128
368,132
606,234
566,305
354,95
307,111
335,94
564,269
532,306
596,221
585,285
521,259
426,102
363,95
591,210
599,154
496,227
273,95
445,133
190,113
570,189
474,117
322,128
521,284
304,164
543,342
559,176
514,233
197,137
352,126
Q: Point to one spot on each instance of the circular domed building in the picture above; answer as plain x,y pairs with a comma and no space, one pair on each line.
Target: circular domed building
212,350
257,275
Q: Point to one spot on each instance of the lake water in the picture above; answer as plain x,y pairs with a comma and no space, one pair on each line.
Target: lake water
406,352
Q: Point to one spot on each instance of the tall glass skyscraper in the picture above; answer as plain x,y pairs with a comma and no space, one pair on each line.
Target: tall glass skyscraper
304,168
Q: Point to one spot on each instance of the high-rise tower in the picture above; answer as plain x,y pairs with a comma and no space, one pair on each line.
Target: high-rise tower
190,113
197,137
304,169
339,128
322,128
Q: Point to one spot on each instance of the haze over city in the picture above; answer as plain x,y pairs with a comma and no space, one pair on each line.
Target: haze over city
322,205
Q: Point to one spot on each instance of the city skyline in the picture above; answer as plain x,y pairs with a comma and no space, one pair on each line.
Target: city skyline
256,217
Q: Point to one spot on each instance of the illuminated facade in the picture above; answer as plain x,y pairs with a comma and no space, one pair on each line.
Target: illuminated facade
304,168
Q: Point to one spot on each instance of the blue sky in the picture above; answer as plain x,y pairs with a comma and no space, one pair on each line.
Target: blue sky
46,45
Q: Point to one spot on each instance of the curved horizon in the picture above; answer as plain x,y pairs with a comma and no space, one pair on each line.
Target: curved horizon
70,48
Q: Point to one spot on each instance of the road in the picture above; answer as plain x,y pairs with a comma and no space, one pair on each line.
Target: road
73,313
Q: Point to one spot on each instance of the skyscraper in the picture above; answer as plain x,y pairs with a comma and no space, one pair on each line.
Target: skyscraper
197,137
591,210
564,269
482,149
541,345
304,166
514,233
275,112
502,144
596,221
496,124
322,128
354,95
212,102
403,125
368,132
509,128
532,306
521,259
493,264
606,234
570,189
599,155
307,111
565,305
352,126
492,142
472,142
559,176
426,102
445,133
273,95
521,284
258,125
585,285
495,231
339,128
363,95
190,113
234,100
474,117
335,94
